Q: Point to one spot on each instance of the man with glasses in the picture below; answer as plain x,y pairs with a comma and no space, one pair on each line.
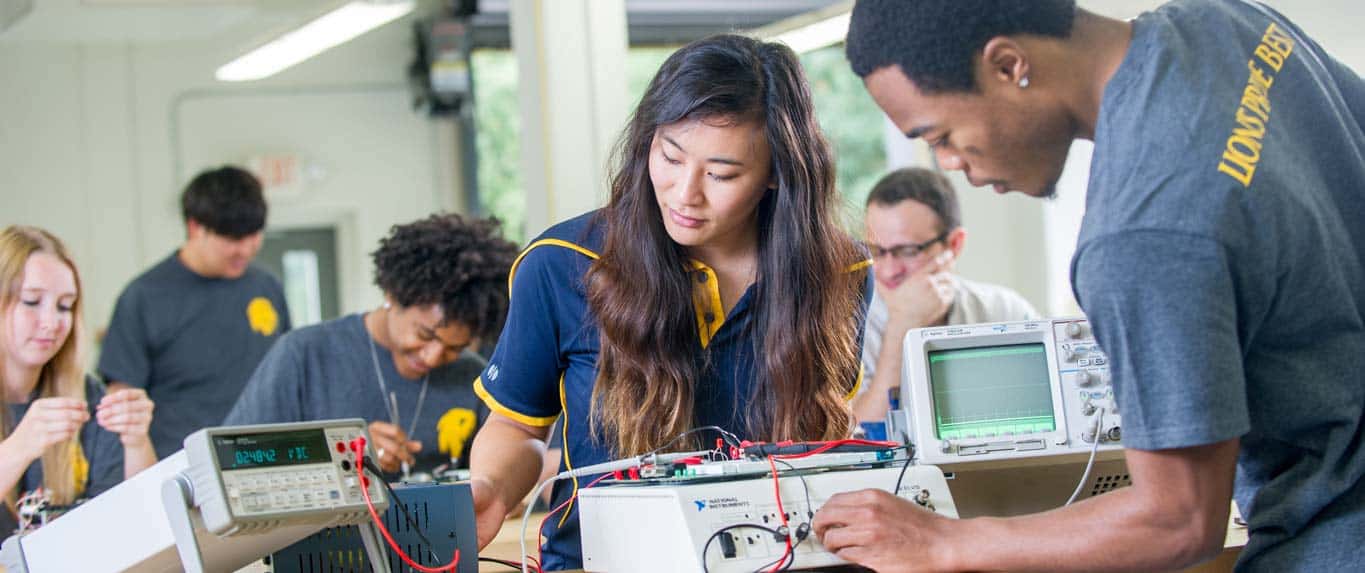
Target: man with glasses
915,233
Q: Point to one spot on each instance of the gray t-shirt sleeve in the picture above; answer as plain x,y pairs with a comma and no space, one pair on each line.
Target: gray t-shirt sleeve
274,393
124,356
1164,310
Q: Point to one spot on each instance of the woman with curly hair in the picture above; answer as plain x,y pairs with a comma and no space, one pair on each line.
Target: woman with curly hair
405,367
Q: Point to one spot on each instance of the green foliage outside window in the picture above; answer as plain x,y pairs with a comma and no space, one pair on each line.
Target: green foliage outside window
852,123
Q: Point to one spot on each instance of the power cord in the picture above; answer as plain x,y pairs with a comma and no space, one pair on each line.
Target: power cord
541,529
358,447
909,457
1094,448
504,562
803,530
777,534
605,468
729,438
810,513
407,518
782,563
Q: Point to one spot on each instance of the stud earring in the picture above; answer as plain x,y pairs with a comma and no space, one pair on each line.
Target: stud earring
387,305
1023,82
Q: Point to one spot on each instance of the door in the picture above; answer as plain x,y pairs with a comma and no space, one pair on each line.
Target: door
305,261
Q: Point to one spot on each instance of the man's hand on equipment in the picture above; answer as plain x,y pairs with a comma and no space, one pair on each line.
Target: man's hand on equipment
880,531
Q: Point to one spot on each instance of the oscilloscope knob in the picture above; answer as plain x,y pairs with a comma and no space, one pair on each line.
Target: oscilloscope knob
1086,378
1075,330
945,446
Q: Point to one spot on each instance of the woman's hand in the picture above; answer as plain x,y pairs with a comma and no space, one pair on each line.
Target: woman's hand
48,422
128,413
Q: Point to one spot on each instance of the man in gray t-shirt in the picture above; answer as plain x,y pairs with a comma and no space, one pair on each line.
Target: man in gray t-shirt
407,367
192,328
327,371
1221,262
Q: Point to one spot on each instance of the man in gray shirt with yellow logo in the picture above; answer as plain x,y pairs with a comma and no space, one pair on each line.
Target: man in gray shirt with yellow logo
191,329
1221,262
406,367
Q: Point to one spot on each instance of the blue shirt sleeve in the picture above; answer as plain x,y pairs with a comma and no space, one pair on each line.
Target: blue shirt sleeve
1163,308
124,354
521,381
274,393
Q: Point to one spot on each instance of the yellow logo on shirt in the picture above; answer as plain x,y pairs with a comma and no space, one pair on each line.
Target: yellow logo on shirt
454,429
1244,146
262,316
80,467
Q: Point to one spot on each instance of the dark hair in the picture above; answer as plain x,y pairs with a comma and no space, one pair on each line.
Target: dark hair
458,263
924,186
936,41
226,200
805,326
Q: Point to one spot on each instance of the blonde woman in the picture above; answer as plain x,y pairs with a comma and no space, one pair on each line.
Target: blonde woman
47,442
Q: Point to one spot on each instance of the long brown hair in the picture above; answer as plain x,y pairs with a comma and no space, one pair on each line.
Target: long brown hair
64,374
805,322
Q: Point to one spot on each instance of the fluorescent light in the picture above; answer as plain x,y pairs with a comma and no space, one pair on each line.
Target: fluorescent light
810,31
327,31
816,35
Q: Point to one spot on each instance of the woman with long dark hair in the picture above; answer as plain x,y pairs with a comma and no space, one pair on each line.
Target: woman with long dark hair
715,289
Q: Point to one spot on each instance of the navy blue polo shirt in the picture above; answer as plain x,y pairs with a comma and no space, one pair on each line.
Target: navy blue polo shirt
546,359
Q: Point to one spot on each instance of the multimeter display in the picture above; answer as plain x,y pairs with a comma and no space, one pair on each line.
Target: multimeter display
271,450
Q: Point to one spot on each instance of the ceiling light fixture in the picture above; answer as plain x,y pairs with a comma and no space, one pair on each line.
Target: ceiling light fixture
327,31
810,31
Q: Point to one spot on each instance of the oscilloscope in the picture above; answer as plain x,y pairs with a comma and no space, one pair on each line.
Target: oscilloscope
1012,412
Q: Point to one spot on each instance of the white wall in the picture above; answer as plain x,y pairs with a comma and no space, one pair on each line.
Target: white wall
97,140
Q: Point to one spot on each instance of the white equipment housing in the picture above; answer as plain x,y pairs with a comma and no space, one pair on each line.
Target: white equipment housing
665,527
232,496
1011,412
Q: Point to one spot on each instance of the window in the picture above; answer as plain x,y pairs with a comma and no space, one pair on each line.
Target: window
852,123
